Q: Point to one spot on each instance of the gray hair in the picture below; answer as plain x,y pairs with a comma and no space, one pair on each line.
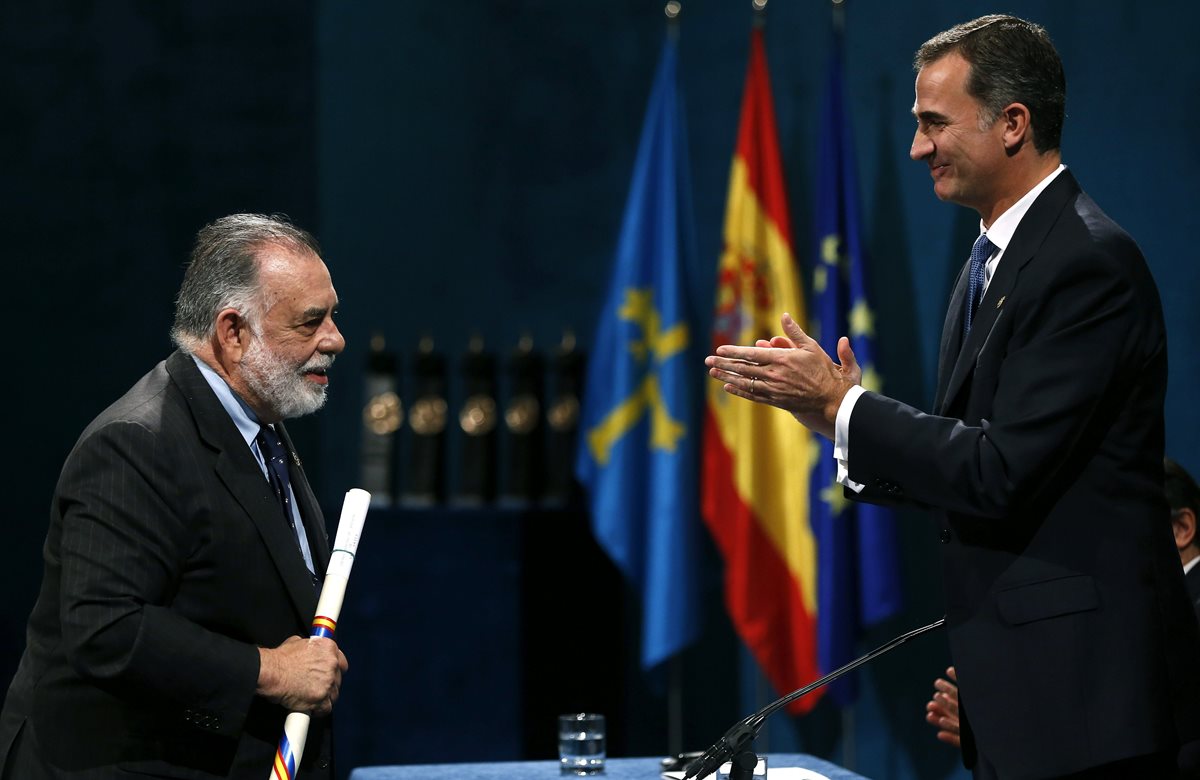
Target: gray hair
222,272
1012,61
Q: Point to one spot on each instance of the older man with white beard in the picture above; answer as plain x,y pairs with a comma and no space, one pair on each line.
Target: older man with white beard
185,549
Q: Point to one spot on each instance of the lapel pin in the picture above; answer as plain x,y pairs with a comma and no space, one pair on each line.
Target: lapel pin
1000,302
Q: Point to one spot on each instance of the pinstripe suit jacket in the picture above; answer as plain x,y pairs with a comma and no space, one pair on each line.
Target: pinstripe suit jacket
166,564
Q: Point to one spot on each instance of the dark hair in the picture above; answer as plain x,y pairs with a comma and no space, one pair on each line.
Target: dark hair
1182,491
222,272
1012,61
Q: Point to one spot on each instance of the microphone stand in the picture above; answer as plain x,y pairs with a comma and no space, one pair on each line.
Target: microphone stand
735,745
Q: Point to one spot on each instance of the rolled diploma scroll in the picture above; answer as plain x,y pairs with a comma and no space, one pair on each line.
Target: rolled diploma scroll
329,606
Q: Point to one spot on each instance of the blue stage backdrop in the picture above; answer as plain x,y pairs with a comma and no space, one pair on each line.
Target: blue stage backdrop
465,166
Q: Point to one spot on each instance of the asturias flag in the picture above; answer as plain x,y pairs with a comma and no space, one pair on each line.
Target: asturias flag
756,459
858,563
637,456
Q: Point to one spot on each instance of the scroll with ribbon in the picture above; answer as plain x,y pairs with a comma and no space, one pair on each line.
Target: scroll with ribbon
329,606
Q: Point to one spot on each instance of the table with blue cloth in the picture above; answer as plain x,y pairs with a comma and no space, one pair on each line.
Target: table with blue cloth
615,769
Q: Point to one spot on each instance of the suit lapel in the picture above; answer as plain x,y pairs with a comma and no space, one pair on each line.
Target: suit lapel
951,335
1025,242
241,475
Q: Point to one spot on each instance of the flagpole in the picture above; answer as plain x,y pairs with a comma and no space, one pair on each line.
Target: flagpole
674,665
762,685
674,706
849,731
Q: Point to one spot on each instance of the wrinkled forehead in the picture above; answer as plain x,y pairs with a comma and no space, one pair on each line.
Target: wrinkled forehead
293,274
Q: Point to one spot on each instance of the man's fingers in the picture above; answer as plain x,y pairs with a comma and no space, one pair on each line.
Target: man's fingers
948,704
735,352
729,377
733,389
733,371
846,355
793,330
950,738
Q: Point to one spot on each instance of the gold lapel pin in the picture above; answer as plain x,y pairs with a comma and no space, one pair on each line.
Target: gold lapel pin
1000,302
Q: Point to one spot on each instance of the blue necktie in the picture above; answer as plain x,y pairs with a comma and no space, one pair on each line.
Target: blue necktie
979,255
276,457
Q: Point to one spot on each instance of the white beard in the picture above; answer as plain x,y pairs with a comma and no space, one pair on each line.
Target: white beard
280,385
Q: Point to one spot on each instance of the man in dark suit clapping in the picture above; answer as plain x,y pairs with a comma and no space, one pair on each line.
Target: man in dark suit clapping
1041,461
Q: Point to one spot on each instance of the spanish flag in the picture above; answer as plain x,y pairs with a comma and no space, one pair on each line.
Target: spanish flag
756,459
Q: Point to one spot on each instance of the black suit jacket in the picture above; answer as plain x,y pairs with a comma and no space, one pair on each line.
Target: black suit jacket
1069,625
167,563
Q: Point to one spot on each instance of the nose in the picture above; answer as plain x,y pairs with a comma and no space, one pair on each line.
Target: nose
921,147
332,341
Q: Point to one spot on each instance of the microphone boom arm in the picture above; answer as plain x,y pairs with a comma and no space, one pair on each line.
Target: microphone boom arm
744,731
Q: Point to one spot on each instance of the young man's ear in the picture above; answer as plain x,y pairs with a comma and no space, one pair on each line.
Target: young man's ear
1017,126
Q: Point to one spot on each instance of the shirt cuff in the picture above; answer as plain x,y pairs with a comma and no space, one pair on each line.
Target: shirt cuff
841,438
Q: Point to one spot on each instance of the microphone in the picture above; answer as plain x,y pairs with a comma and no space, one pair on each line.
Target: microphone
739,737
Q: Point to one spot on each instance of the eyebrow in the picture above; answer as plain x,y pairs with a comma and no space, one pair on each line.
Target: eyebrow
315,312
928,115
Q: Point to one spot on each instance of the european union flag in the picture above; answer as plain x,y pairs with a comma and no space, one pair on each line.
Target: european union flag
858,573
638,452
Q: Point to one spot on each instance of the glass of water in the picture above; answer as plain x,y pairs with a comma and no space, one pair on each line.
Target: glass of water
581,743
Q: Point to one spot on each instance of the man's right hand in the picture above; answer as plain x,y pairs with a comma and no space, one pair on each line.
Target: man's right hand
304,674
942,709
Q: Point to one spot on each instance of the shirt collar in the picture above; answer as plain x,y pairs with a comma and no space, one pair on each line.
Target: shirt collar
242,415
1001,231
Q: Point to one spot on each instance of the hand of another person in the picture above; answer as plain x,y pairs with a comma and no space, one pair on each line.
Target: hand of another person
304,674
942,709
790,372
